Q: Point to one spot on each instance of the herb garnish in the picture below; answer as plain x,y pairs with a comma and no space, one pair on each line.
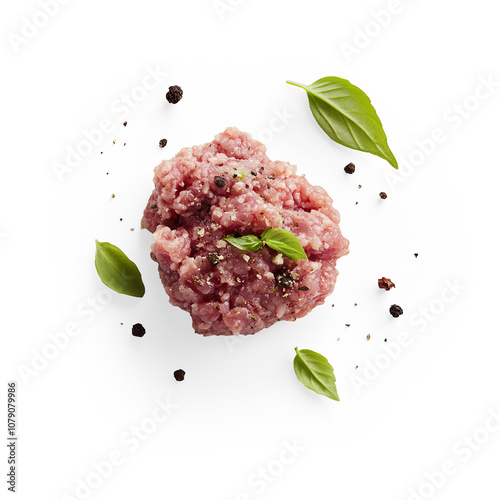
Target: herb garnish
281,240
347,115
315,373
117,271
249,243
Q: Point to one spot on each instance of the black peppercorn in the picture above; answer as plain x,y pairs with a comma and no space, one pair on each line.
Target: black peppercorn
138,330
174,94
396,311
163,143
220,181
349,169
179,375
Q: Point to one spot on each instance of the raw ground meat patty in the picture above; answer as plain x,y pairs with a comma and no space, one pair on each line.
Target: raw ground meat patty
230,186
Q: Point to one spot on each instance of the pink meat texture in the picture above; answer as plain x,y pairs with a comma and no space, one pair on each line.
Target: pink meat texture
229,291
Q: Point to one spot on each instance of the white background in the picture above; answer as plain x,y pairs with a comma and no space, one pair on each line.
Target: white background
402,417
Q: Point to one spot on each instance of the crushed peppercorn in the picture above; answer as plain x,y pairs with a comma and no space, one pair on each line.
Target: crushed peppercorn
386,284
162,143
304,288
283,279
214,258
383,195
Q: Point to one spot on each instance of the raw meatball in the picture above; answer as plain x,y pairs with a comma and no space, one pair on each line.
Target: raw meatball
230,186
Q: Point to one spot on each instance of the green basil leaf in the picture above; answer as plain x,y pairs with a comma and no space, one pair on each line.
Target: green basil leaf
284,242
315,373
250,242
117,271
347,115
